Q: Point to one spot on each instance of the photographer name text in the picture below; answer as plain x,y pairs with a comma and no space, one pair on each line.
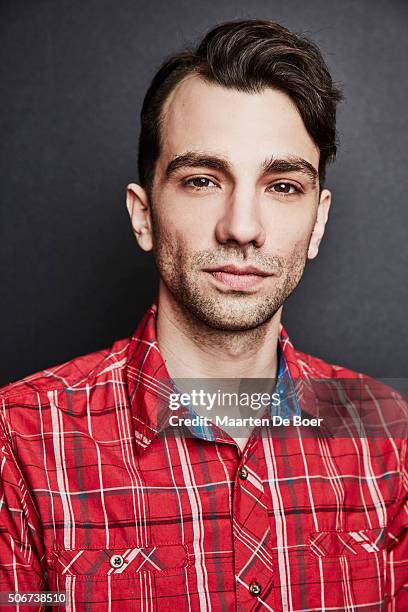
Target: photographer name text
251,421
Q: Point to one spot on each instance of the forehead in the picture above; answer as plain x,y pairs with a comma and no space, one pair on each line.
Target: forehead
244,127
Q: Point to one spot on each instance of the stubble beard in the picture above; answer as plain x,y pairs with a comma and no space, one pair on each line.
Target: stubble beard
181,270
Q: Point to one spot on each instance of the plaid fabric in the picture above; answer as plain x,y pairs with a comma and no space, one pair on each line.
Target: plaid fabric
99,499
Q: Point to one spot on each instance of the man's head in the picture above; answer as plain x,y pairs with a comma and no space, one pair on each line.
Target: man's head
234,144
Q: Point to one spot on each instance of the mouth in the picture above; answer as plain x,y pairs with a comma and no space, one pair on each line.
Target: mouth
238,278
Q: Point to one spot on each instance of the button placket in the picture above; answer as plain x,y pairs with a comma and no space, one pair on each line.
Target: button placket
251,531
255,588
243,473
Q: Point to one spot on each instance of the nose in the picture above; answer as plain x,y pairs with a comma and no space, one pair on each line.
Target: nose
241,219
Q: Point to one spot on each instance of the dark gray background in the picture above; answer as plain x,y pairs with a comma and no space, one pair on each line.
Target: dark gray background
72,78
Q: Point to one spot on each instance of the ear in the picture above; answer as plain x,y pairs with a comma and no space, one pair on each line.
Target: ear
137,203
320,223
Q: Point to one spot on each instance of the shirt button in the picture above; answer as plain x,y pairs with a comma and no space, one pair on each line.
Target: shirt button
255,588
116,561
243,473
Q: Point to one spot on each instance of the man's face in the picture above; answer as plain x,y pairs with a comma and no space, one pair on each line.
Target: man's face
235,201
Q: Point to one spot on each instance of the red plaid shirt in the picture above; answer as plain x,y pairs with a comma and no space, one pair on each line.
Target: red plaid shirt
93,501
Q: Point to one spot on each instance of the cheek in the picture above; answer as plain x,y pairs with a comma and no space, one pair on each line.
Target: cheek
190,229
287,241
289,229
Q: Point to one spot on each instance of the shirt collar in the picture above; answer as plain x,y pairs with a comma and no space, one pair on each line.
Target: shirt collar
287,407
149,383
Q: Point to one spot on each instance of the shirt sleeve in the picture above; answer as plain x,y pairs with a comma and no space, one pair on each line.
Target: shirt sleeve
21,547
397,558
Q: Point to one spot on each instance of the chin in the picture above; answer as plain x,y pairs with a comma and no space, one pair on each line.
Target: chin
230,316
233,325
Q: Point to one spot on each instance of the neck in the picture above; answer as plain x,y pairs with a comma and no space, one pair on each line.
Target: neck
192,349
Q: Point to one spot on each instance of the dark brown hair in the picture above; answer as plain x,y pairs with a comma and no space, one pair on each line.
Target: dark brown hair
248,56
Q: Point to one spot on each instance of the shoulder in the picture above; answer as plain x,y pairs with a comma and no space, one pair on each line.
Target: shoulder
58,399
69,374
380,408
314,367
304,365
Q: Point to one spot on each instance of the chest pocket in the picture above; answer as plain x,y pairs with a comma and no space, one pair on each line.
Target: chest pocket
351,544
118,562
347,569
119,579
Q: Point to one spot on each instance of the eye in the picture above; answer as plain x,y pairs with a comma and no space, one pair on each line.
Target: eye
285,188
200,183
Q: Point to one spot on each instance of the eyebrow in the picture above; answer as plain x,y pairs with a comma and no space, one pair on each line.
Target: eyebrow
194,159
291,164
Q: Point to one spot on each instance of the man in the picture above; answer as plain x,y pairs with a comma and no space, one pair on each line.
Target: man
102,497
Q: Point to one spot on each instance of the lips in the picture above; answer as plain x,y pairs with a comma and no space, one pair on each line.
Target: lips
238,278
